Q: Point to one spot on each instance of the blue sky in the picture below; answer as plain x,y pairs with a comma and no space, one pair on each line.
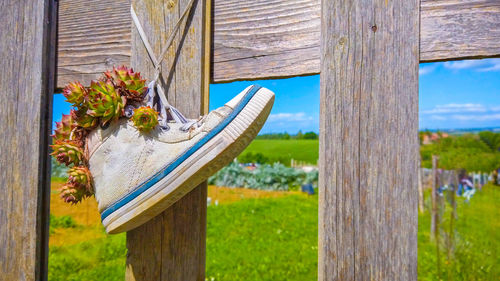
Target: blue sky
452,95
460,94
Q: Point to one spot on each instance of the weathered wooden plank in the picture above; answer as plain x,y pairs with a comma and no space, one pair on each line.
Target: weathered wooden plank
256,39
94,35
459,29
172,245
434,205
27,55
264,39
420,187
368,140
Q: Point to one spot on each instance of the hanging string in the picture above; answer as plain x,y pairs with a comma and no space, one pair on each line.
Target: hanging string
154,88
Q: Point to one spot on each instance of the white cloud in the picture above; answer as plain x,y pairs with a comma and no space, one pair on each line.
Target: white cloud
478,65
280,117
456,108
291,122
465,64
438,117
426,69
463,112
495,108
493,67
475,117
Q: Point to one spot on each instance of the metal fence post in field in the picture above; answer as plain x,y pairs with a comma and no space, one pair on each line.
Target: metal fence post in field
27,55
171,246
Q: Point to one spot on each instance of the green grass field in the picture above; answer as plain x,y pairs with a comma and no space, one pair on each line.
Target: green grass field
284,150
276,239
253,239
476,246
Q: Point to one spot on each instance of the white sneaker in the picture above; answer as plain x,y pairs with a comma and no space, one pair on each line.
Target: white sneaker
138,175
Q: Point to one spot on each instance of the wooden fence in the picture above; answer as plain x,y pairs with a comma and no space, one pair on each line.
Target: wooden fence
367,52
262,39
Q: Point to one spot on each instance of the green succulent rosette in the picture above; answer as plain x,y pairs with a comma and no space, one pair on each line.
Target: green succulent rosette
105,102
145,118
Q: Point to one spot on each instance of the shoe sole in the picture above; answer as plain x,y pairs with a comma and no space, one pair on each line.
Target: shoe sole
219,151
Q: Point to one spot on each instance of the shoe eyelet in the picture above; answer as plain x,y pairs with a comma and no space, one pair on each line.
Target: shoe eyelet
164,128
129,111
105,126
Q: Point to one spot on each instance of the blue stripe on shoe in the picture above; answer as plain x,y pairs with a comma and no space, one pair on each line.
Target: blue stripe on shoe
171,166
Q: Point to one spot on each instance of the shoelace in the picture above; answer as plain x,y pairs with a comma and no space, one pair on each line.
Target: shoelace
155,96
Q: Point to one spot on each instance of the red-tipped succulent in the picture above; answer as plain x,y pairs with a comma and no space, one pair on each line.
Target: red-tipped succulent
72,193
145,118
105,101
131,84
67,152
80,176
64,128
84,120
75,94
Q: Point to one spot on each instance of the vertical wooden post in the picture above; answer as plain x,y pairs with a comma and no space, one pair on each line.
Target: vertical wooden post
435,212
27,55
450,245
420,188
434,204
368,140
172,245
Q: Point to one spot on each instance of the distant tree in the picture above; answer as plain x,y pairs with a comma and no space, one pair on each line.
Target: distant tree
274,136
466,151
310,136
421,135
251,157
299,135
491,139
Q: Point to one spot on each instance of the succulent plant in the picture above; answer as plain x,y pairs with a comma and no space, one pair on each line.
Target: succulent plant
131,84
72,193
81,177
83,119
64,128
145,118
105,101
75,94
69,193
67,152
78,137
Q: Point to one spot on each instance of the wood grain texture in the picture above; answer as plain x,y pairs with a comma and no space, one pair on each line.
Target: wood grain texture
93,36
27,54
434,195
172,245
368,140
459,29
420,187
265,39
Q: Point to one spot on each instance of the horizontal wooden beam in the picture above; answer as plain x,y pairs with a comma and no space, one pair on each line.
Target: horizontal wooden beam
93,35
459,29
265,38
